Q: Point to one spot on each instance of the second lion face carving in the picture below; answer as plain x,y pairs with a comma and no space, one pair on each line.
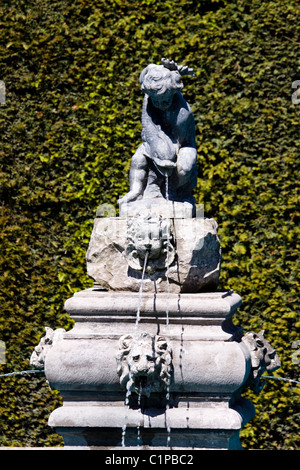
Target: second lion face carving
144,363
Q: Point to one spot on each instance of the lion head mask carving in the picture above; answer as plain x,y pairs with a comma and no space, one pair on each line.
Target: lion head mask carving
144,363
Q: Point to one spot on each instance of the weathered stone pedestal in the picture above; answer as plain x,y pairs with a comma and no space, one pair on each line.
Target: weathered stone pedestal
201,406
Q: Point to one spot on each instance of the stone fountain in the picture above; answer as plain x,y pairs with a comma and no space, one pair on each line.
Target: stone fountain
154,360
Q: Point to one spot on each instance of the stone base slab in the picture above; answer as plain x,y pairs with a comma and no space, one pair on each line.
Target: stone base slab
184,428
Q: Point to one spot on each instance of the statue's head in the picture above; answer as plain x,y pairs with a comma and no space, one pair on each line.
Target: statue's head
161,82
149,237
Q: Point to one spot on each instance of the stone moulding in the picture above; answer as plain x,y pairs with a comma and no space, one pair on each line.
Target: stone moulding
190,428
208,361
95,301
97,304
195,321
209,367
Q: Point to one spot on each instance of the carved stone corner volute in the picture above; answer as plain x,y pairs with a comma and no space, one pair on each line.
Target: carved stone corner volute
40,352
263,358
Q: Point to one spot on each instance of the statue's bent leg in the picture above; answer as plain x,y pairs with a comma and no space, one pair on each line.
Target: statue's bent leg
184,179
137,175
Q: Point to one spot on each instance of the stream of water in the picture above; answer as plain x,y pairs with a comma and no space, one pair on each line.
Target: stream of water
129,383
167,305
141,293
168,251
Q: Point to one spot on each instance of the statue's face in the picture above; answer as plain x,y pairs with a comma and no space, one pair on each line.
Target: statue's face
149,245
142,359
162,101
149,239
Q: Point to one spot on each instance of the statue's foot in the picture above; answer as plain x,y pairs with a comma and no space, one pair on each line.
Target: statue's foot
129,197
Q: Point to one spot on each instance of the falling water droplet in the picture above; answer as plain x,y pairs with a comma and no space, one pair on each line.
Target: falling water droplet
168,436
139,439
140,394
167,408
128,393
167,185
123,434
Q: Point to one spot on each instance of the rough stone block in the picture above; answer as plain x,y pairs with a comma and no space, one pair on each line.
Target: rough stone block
194,249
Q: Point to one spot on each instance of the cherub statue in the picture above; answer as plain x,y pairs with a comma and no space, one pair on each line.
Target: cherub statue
168,135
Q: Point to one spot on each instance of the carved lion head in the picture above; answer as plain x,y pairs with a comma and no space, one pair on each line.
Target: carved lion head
144,363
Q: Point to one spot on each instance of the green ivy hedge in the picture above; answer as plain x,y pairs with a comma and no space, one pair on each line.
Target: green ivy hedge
69,127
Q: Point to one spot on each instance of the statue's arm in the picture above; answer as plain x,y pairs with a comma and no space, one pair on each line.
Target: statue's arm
149,128
187,155
159,143
188,138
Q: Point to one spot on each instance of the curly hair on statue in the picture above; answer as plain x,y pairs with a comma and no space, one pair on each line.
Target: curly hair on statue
166,76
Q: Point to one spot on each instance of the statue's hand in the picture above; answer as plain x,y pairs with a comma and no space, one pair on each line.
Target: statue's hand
162,149
166,164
